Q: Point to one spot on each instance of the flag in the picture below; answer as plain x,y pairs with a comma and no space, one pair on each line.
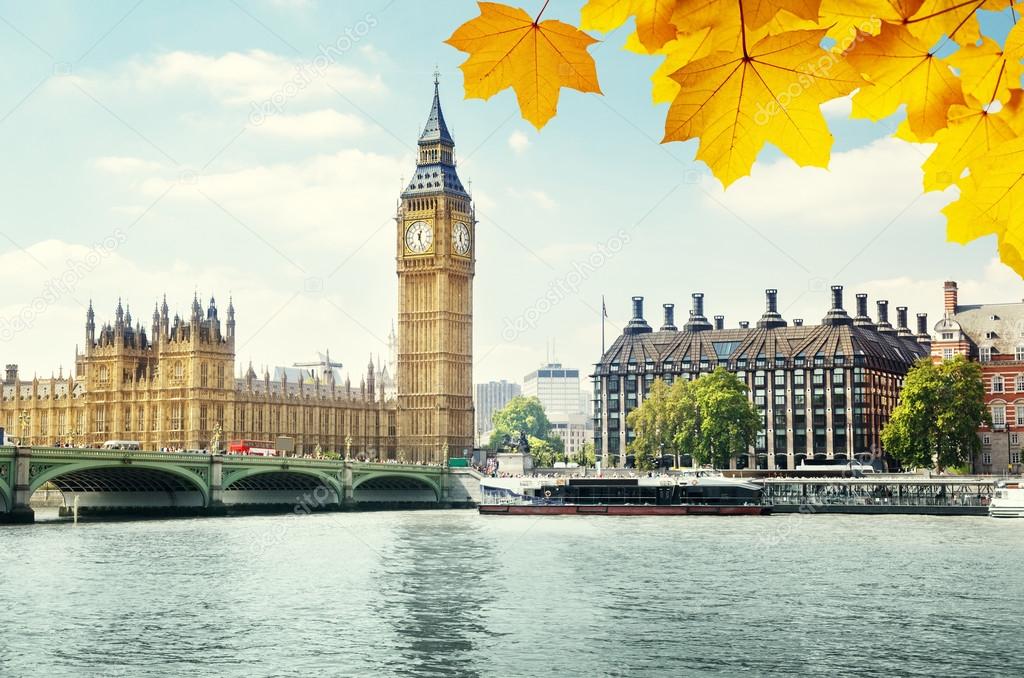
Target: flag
604,309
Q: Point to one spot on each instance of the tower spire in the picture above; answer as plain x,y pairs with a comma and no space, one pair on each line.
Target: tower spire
436,129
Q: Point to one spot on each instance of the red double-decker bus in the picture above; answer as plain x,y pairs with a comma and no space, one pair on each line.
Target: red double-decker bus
258,448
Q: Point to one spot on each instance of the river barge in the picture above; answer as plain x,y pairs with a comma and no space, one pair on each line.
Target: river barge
702,493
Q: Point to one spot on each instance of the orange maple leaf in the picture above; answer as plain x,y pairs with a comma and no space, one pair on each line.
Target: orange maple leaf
509,49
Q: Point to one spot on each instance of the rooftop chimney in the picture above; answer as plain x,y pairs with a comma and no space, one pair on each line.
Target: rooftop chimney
798,322
744,325
719,322
637,325
923,337
862,319
837,315
697,321
949,294
771,317
883,325
902,329
670,318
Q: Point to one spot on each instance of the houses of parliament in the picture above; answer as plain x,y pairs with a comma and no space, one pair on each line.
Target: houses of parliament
175,386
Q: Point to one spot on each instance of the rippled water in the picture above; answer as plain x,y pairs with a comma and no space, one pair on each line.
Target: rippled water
457,594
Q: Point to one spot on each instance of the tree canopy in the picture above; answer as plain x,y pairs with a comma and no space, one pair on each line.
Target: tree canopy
741,74
525,415
936,422
710,419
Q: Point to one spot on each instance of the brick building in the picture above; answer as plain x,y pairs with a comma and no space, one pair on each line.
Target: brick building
992,335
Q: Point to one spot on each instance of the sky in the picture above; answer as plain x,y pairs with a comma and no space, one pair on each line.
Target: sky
255,149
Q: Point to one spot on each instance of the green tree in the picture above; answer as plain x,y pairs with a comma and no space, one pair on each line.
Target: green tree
726,421
586,457
543,452
936,422
709,418
526,415
653,425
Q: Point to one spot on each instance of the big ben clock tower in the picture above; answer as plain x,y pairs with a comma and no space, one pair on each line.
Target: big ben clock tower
436,249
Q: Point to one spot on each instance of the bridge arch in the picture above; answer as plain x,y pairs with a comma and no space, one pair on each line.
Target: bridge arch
281,486
116,484
395,486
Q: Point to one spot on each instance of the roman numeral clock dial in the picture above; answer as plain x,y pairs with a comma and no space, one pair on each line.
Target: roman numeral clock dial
419,237
460,238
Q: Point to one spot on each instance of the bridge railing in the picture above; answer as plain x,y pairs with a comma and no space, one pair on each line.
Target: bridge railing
193,457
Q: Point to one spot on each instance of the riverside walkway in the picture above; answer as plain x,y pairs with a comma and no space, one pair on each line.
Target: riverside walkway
168,483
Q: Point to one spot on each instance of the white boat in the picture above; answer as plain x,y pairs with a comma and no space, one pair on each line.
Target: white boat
1007,500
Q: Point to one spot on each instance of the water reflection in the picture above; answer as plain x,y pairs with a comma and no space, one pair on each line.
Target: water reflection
433,581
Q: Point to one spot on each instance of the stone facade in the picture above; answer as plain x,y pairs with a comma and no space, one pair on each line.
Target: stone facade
435,240
172,387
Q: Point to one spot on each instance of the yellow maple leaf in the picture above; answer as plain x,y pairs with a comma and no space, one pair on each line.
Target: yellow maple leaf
985,71
737,101
757,13
992,202
507,48
901,69
654,25
971,134
677,53
953,18
849,18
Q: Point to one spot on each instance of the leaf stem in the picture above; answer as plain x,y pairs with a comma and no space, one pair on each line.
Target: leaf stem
743,29
965,19
952,8
995,90
541,12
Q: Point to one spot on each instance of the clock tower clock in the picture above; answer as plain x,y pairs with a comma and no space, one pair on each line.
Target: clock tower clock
436,254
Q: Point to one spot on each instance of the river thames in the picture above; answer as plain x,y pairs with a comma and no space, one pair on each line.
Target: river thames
456,594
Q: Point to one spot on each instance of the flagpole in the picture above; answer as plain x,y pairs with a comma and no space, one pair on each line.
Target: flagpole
604,314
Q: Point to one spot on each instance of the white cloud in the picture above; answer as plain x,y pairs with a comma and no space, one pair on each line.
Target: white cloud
998,283
535,196
868,185
322,124
518,141
838,108
50,283
337,198
125,165
238,78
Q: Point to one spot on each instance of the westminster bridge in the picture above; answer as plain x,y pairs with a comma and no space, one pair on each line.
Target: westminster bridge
158,483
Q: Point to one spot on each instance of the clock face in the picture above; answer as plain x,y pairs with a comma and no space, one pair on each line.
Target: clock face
460,238
419,236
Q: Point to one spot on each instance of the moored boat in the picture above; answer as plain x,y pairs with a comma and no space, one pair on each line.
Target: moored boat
1007,500
696,493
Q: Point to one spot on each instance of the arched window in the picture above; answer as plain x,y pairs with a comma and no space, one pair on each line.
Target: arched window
104,374
178,370
998,416
204,375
